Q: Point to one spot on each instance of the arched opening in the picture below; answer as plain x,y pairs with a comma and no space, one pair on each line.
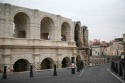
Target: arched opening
47,63
21,65
66,62
65,31
76,34
78,58
79,62
47,25
20,25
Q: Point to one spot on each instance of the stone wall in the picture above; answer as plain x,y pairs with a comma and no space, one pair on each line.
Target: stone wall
33,37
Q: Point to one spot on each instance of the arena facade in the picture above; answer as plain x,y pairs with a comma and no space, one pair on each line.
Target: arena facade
33,37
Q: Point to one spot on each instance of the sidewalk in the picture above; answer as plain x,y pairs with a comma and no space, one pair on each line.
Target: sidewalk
121,78
62,72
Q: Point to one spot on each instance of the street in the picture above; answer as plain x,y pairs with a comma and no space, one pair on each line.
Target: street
94,74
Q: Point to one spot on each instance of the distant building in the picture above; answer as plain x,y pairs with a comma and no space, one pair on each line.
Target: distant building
97,51
98,48
101,49
115,47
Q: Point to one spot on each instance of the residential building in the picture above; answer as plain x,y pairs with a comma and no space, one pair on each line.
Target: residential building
115,47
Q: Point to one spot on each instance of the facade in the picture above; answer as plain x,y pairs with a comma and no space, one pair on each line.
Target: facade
115,47
32,37
96,50
99,48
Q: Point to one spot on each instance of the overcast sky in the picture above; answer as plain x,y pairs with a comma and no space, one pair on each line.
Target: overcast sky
105,18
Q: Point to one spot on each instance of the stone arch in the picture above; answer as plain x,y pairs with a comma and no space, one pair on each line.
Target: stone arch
21,23
79,62
66,21
21,65
25,32
20,10
15,59
66,62
65,31
47,63
40,19
78,58
46,28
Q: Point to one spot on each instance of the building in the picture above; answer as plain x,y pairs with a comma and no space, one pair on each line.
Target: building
97,53
96,48
33,37
115,47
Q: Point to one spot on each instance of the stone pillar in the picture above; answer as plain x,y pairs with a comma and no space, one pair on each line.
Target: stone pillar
7,28
53,34
58,27
59,62
59,34
7,62
2,27
68,36
72,33
81,35
84,57
37,61
36,25
30,30
12,28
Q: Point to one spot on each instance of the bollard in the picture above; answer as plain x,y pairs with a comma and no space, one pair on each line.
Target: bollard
73,65
55,72
4,73
78,67
120,70
116,69
112,65
31,71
